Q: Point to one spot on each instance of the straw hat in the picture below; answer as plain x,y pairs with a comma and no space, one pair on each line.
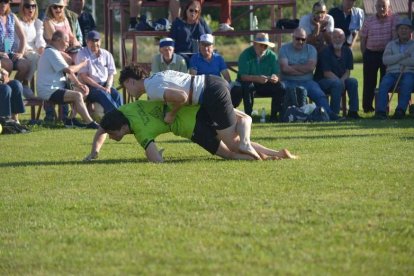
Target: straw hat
263,38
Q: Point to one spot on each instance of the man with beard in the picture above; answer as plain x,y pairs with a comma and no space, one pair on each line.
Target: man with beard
333,71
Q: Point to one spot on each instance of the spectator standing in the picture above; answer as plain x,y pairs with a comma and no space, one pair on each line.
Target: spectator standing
225,14
318,26
11,52
186,32
259,70
167,59
333,71
135,11
35,43
85,18
297,62
11,101
399,59
51,81
98,75
349,19
207,62
73,22
377,31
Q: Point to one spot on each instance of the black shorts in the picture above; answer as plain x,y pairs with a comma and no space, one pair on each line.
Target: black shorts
58,96
216,101
204,133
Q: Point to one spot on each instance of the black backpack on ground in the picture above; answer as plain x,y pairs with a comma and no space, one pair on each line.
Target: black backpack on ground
12,127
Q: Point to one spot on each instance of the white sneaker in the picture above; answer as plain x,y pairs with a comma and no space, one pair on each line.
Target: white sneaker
224,27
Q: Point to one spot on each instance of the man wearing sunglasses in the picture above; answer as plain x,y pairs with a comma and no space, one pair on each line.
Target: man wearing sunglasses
259,72
297,62
318,26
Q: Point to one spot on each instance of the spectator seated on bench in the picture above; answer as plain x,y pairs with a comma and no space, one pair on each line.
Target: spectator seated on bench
207,62
11,101
332,73
167,59
259,72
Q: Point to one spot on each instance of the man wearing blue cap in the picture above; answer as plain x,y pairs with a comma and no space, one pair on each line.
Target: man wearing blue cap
98,75
167,59
399,59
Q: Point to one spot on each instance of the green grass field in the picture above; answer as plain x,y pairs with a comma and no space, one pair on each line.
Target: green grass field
346,207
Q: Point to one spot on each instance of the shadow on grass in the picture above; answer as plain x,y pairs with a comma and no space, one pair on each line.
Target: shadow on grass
365,124
105,162
339,136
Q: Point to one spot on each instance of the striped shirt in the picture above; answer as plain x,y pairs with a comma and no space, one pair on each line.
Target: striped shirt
378,31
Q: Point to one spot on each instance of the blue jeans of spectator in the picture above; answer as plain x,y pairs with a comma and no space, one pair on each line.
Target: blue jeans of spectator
335,88
109,101
274,90
315,93
406,86
11,101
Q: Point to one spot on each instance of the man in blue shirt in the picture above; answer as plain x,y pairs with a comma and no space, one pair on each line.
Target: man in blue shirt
206,62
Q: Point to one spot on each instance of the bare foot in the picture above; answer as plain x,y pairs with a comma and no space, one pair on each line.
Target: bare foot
282,154
248,149
285,154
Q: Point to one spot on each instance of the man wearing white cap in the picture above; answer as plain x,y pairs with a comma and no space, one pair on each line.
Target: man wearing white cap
167,59
259,70
206,62
399,59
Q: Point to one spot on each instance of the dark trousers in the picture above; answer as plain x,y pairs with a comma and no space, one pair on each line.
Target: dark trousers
372,62
274,90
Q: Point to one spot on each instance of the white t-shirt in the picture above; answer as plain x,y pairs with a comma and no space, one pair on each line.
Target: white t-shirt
50,75
34,35
305,23
156,84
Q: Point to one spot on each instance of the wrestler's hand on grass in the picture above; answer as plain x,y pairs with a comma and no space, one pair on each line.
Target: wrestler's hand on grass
91,157
169,118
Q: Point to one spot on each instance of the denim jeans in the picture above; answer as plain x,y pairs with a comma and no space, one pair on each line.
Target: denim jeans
406,86
335,88
109,101
315,93
11,101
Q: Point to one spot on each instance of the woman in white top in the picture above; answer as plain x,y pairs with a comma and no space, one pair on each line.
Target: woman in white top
33,29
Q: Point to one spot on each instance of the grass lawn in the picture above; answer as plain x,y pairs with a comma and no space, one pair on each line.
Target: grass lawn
345,207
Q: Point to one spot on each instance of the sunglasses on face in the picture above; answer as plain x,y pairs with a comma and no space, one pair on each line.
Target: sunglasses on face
300,39
55,7
29,6
263,46
190,10
4,1
319,12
